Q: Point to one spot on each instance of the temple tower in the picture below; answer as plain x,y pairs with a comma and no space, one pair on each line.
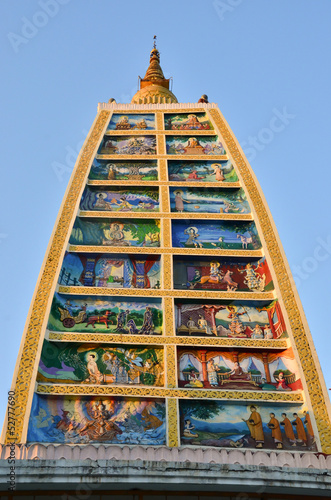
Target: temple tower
165,318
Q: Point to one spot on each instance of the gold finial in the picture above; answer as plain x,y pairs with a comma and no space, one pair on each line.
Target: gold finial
154,87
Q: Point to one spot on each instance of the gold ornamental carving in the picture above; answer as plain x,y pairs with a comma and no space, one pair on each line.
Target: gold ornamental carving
174,215
170,358
284,282
170,338
24,383
172,421
163,182
163,250
161,392
168,319
167,292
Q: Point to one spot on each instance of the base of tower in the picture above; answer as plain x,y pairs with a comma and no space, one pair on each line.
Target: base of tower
150,472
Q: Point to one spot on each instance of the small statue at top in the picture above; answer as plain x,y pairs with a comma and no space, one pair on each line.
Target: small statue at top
203,98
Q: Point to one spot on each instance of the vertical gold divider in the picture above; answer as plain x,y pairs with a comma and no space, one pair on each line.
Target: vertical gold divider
163,170
172,421
160,142
167,271
166,233
168,311
165,202
159,120
171,371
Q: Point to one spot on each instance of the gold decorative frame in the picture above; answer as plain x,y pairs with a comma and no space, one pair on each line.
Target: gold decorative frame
26,369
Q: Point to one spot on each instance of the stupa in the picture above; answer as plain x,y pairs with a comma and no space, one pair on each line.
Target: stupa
166,351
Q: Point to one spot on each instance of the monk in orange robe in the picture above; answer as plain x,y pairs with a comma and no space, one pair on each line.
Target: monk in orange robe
308,424
254,424
302,436
276,431
289,433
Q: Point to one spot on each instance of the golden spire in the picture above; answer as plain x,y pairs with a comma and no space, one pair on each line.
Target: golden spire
154,71
154,88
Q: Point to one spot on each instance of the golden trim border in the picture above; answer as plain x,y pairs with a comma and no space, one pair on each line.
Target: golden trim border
173,215
166,250
172,422
162,392
278,262
162,156
23,382
164,182
151,292
169,338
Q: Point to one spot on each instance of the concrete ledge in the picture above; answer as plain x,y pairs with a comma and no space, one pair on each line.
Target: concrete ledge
108,475
225,456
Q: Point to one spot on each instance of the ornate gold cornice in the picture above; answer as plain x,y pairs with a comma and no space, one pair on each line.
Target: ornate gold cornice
213,158
151,292
161,215
188,133
167,339
161,392
162,250
163,183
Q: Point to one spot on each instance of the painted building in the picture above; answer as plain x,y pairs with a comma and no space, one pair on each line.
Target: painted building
165,325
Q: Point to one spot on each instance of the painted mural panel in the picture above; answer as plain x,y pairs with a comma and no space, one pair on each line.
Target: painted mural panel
117,199
82,420
226,425
228,274
124,170
122,315
199,145
126,145
215,234
116,233
101,365
132,122
217,368
187,121
110,270
230,319
209,200
201,171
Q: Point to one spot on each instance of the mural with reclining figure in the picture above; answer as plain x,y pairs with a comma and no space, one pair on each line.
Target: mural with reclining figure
229,425
185,121
83,420
199,145
132,122
117,233
232,319
252,370
104,170
128,145
110,270
208,200
100,364
215,273
117,199
215,234
201,171
133,316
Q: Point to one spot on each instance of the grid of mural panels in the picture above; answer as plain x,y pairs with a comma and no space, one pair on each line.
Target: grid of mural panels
165,328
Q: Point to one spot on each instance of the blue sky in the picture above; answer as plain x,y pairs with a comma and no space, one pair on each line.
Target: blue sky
257,59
